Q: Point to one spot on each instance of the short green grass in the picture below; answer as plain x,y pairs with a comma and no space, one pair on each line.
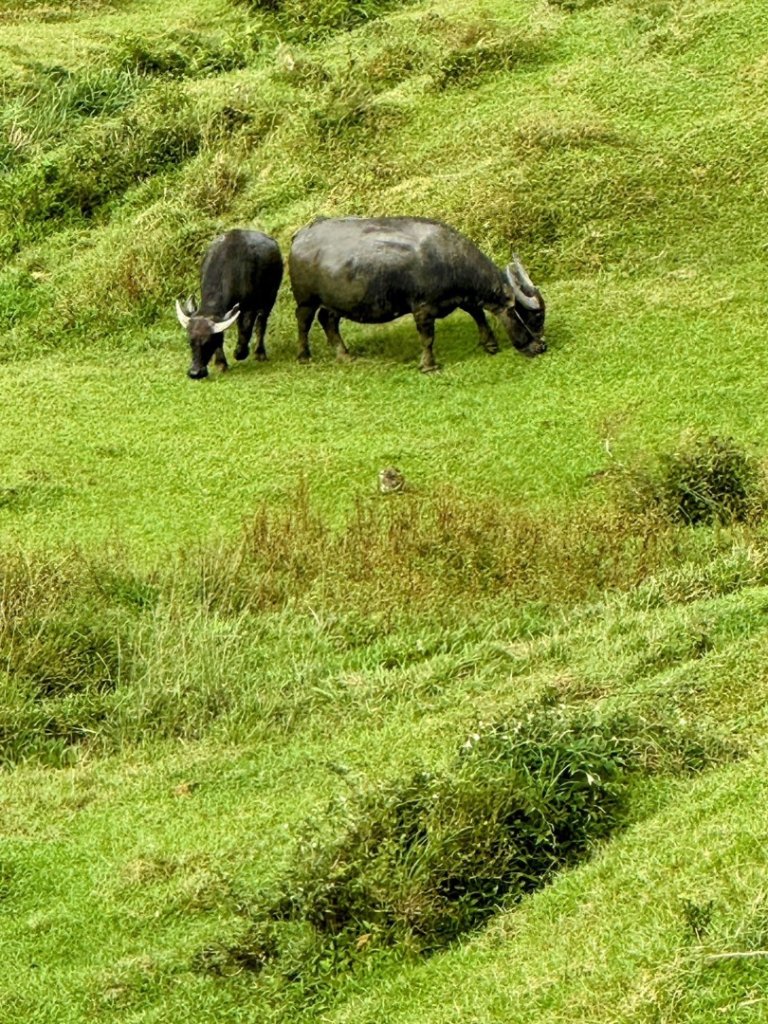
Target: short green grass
201,647
119,443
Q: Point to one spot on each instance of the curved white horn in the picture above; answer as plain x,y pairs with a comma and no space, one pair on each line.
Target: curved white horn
229,319
529,301
183,318
522,276
521,297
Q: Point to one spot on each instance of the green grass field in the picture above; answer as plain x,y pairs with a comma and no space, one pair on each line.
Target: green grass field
275,747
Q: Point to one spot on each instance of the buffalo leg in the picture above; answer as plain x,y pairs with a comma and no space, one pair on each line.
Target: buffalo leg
220,359
330,323
304,317
426,329
261,330
487,338
244,332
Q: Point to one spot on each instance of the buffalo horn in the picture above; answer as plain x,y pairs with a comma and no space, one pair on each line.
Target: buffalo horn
183,318
229,319
522,276
521,297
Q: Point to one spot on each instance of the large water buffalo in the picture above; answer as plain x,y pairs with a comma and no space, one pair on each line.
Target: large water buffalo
239,279
375,270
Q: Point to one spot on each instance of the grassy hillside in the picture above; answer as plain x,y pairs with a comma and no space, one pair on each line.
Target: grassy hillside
617,147
274,746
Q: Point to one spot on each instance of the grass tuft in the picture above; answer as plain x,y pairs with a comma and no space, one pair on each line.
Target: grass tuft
179,55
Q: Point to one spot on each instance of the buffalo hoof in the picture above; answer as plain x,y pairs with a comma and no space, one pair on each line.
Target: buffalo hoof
304,357
432,368
197,374
260,357
241,353
536,348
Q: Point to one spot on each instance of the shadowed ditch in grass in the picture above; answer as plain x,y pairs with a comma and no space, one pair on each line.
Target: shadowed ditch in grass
413,864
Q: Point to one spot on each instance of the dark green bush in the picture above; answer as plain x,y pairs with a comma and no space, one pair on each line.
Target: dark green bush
417,862
424,860
707,479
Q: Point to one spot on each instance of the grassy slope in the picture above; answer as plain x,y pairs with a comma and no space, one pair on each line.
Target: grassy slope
118,871
624,159
610,943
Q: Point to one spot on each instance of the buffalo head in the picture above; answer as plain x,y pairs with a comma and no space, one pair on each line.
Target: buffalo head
523,316
203,333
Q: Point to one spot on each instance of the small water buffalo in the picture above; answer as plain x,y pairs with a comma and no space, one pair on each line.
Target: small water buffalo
239,279
375,270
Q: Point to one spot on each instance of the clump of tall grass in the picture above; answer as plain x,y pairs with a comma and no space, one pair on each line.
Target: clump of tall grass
45,10
480,52
182,54
64,651
125,276
56,656
426,550
108,156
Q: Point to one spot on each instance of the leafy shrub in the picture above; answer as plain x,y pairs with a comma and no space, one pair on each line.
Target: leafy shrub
707,479
419,861
426,859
